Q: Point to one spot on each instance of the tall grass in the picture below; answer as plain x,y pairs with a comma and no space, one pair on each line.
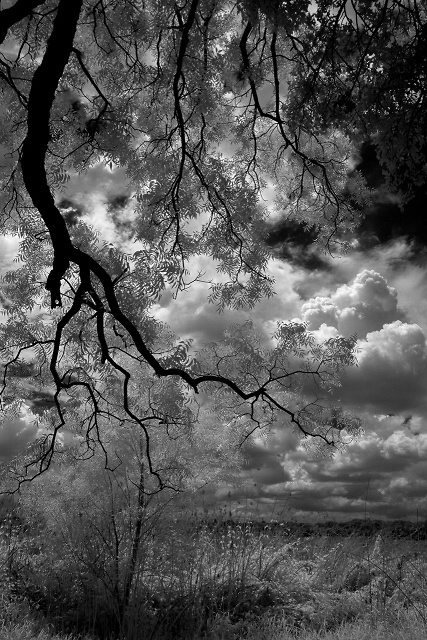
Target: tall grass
218,580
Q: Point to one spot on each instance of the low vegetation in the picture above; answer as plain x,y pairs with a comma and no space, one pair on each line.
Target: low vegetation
195,578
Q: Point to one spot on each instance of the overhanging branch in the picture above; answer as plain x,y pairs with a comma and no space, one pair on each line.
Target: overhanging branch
42,94
44,86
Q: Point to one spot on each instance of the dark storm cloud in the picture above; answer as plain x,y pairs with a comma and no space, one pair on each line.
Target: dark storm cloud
387,219
294,242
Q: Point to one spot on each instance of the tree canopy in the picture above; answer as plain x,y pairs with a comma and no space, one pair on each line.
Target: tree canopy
204,106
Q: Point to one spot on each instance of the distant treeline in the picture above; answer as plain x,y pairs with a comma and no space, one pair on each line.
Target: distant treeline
395,529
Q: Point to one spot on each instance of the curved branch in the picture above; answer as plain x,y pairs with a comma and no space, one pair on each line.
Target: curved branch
42,95
89,264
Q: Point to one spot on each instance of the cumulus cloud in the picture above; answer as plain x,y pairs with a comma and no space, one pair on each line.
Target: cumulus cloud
383,474
364,305
391,376
392,372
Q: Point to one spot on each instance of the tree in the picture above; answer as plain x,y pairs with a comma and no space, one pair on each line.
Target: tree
108,530
201,104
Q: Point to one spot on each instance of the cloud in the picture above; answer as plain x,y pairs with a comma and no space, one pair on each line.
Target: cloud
9,246
263,466
381,475
364,305
114,223
101,197
392,372
391,376
375,473
410,282
294,243
390,219
191,315
100,179
15,435
391,216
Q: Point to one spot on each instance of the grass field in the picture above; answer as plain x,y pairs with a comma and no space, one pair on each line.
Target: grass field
220,581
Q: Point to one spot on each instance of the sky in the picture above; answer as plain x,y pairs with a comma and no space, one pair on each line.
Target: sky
378,290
